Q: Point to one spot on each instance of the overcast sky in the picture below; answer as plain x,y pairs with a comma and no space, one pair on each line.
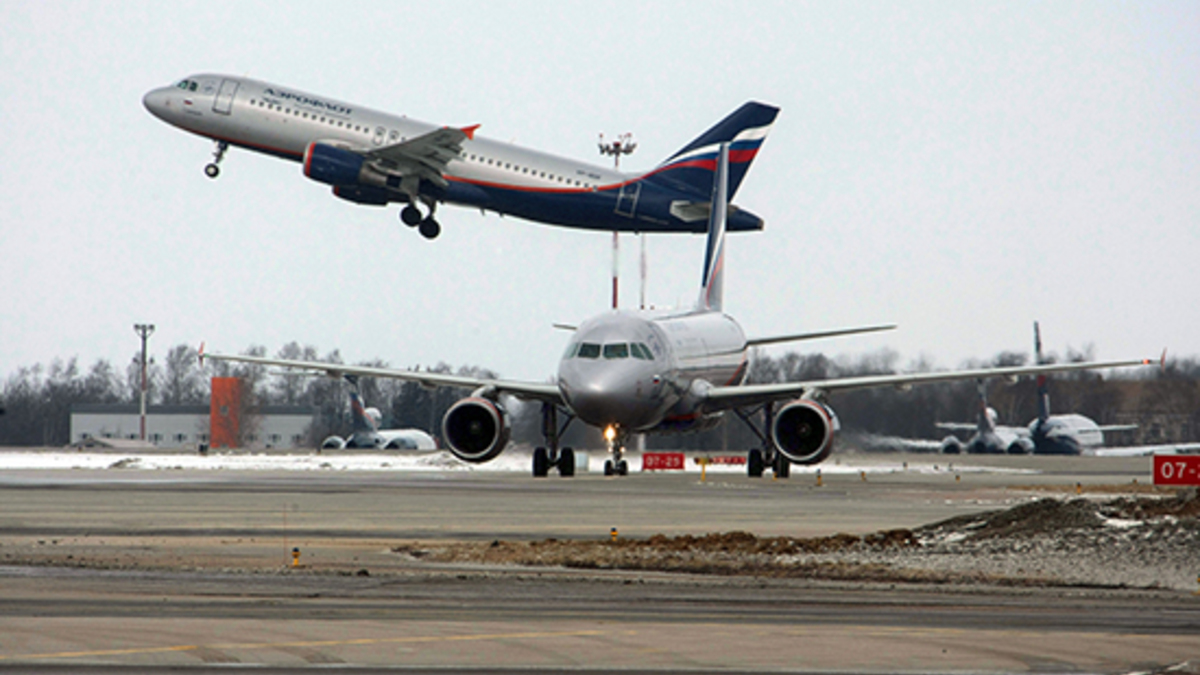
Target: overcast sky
961,169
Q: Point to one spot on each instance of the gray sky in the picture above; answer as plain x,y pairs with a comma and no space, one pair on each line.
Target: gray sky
961,169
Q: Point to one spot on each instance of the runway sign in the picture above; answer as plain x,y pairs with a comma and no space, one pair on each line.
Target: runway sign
662,461
1177,469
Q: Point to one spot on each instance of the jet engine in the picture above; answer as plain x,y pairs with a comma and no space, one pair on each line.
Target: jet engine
1021,446
803,431
952,446
347,170
363,194
476,429
333,443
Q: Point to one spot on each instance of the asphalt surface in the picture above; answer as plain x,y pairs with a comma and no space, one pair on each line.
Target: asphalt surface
193,569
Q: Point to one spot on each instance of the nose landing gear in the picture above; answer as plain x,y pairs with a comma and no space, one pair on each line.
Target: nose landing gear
211,169
616,466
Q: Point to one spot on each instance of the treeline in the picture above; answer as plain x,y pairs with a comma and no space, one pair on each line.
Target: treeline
1165,403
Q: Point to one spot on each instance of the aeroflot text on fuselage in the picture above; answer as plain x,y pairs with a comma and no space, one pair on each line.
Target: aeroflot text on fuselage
336,108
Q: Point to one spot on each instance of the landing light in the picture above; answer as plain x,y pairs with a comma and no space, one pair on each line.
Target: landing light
610,433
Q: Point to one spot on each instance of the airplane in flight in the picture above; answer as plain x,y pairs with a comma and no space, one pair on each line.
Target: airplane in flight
365,431
376,158
1067,434
660,371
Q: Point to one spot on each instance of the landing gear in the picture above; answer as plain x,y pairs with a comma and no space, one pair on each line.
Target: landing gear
758,460
427,225
544,458
212,170
618,468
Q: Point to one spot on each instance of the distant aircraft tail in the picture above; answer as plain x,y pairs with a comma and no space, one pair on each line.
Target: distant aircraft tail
712,284
744,130
1043,388
361,419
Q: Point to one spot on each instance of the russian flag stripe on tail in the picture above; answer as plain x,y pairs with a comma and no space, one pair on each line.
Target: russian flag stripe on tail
743,131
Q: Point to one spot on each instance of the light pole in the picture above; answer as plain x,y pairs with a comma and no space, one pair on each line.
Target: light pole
624,145
144,330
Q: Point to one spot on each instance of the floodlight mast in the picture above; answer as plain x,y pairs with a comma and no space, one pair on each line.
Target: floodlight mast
144,330
623,145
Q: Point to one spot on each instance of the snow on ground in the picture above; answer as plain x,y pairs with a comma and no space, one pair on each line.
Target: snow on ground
513,460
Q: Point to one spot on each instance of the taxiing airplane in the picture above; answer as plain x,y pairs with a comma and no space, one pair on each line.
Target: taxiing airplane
375,158
655,371
365,431
1069,434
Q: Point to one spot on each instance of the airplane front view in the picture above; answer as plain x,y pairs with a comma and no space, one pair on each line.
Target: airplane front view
643,371
375,158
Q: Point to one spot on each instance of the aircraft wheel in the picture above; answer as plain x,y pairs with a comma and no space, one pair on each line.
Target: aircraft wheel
622,468
430,228
754,463
608,467
566,463
541,463
212,170
410,215
783,467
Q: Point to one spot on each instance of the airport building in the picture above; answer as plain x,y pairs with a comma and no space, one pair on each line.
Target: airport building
188,426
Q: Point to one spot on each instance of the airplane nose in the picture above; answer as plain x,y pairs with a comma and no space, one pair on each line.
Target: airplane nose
156,102
604,401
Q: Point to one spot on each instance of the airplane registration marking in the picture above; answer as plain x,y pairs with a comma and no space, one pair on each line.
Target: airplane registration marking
304,643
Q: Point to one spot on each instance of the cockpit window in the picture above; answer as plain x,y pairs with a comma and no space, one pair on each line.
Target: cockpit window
640,351
571,349
588,350
187,85
616,350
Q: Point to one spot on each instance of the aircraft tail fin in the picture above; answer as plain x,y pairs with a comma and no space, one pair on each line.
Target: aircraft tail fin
712,285
744,130
360,420
1043,388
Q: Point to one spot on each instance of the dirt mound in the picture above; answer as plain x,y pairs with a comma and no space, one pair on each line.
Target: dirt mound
1044,542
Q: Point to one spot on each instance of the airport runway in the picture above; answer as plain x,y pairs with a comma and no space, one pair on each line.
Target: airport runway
191,568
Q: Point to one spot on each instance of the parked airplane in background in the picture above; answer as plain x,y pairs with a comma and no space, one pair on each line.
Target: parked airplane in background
365,431
1047,434
375,158
653,371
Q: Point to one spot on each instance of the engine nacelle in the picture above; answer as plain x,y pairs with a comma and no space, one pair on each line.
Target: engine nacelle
951,446
1021,446
332,165
476,429
333,443
363,194
803,431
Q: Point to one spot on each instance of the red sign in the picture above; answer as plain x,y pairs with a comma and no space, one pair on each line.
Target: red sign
662,461
1177,469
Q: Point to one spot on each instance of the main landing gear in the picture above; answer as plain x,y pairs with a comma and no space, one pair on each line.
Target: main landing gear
546,457
212,170
759,460
428,227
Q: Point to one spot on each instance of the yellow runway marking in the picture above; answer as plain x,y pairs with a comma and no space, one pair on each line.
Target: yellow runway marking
314,643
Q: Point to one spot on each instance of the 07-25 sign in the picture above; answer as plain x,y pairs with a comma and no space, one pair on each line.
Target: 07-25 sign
1177,469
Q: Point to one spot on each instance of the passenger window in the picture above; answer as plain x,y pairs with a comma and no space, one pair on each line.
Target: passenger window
616,350
589,350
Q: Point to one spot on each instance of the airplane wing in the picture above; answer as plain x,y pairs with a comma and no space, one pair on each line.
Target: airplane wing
425,156
523,390
724,398
956,426
1146,450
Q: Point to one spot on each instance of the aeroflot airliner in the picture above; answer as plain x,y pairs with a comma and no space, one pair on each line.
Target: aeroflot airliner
374,158
661,371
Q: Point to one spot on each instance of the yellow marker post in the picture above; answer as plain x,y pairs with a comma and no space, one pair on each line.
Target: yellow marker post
819,482
295,557
703,462
957,478
613,533
1079,488
863,476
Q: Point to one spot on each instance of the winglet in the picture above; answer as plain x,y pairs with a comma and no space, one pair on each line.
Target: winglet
1162,360
470,131
200,354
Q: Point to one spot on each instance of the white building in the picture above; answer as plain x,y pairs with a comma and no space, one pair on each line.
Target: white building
185,426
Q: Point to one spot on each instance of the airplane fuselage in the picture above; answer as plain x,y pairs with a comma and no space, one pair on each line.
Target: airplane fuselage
486,174
647,371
